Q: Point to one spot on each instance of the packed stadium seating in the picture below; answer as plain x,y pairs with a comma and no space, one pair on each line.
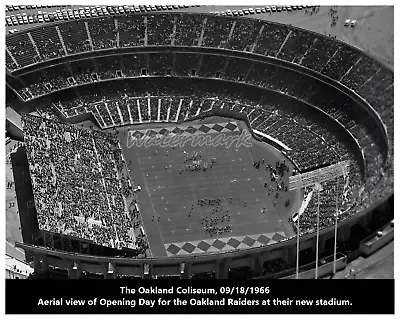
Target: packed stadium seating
79,190
280,103
282,125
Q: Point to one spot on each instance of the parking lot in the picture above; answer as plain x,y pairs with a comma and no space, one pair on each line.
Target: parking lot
20,17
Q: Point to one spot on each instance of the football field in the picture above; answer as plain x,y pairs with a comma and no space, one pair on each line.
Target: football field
225,197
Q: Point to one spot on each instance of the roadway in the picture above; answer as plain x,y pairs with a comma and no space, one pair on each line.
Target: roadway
379,265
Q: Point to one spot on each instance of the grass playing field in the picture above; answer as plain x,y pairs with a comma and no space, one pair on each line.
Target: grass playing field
169,197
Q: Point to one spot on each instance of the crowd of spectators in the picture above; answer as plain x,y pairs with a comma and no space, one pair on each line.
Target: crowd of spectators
272,36
276,183
328,205
216,32
47,43
318,55
107,67
22,49
131,31
240,71
79,182
160,63
104,113
317,52
211,66
274,266
361,72
57,77
154,114
82,70
75,37
47,113
35,84
296,46
329,194
10,64
173,106
144,110
341,62
188,30
185,63
299,46
160,30
133,64
103,32
281,80
244,35
310,151
345,196
113,108
285,128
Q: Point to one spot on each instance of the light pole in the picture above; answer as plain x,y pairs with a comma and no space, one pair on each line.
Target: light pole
336,218
318,187
345,171
298,240
298,245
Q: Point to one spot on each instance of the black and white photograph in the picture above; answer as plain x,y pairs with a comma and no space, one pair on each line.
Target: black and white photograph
233,144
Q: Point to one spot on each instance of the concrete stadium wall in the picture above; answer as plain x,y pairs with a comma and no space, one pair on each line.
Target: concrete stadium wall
377,240
323,270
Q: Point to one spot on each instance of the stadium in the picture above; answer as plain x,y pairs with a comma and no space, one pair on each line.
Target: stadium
174,144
